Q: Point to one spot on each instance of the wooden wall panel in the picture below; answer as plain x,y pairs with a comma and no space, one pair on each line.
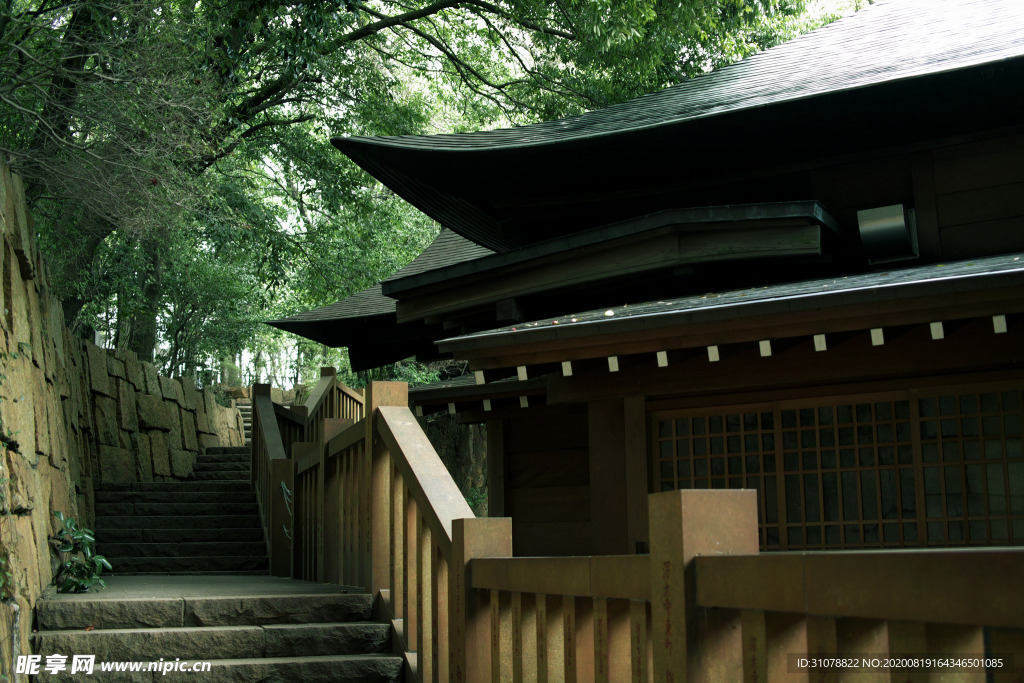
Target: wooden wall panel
983,204
979,164
566,467
980,197
551,504
547,491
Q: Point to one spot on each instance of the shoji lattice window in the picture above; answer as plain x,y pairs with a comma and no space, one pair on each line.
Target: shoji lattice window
914,468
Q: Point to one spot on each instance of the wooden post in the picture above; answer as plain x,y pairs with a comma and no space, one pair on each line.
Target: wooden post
682,525
380,394
608,478
495,468
469,638
282,472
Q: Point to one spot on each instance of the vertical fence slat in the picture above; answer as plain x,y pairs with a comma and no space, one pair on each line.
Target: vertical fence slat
600,644
638,641
541,610
425,612
398,598
528,639
412,612
569,638
556,640
755,646
441,607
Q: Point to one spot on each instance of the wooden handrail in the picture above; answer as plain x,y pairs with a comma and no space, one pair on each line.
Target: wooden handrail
438,498
970,586
625,577
265,411
289,414
272,478
346,439
320,392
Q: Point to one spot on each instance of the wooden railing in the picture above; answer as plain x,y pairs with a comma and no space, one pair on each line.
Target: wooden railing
272,478
288,467
375,507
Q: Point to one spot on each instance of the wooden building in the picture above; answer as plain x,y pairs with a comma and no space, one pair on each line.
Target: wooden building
802,274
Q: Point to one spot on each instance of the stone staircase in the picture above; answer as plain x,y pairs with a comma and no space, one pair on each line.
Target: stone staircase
250,628
190,583
207,524
244,406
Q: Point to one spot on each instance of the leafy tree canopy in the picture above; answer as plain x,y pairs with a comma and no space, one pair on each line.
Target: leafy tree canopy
177,150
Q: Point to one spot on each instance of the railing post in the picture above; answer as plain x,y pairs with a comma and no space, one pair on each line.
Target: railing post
378,545
682,525
469,638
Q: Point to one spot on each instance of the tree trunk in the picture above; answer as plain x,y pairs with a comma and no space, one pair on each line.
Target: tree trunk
143,339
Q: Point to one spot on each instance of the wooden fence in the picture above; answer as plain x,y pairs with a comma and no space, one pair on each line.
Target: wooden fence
374,507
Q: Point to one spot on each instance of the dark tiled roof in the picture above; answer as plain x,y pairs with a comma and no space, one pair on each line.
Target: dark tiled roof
899,72
888,41
447,249
935,279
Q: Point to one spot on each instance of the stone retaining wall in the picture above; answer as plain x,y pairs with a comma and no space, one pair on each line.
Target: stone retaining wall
72,415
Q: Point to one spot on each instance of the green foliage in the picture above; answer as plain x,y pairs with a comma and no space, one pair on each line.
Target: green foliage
177,152
80,565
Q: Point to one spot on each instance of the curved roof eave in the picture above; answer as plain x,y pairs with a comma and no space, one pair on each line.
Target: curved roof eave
478,183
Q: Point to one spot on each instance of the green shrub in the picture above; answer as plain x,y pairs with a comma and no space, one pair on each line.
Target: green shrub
80,565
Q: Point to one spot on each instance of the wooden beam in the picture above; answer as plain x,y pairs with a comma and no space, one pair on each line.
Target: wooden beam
855,318
745,371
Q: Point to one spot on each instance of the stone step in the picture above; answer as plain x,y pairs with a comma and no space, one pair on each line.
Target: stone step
238,484
93,609
223,457
219,642
369,668
221,475
146,508
106,523
114,551
240,466
220,535
212,496
375,668
227,449
175,565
